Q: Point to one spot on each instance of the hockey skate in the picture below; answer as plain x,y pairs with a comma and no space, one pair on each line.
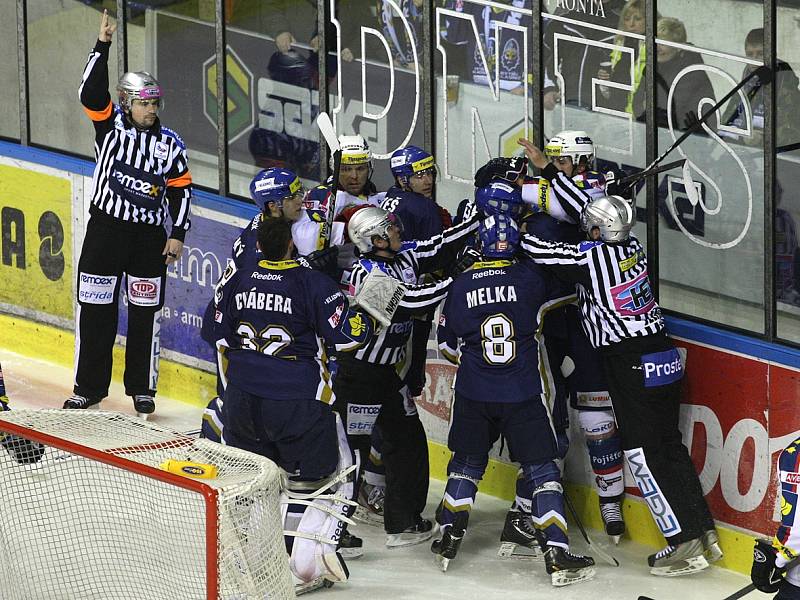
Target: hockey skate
416,534
711,548
446,548
350,546
566,568
520,539
682,559
311,586
78,402
612,519
144,406
370,504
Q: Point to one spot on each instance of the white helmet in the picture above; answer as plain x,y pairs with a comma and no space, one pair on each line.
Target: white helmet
613,215
355,150
575,144
138,85
369,222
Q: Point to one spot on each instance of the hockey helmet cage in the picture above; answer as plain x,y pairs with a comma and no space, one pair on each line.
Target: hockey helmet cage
410,161
138,85
612,215
577,145
368,223
499,198
274,185
499,236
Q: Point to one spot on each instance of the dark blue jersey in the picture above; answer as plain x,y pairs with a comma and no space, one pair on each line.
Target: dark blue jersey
495,309
422,218
276,320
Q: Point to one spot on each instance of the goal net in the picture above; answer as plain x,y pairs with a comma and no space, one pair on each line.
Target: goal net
88,512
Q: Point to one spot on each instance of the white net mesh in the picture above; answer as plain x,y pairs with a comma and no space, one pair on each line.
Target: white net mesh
73,527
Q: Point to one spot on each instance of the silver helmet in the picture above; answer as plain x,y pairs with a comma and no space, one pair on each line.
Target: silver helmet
612,215
138,85
369,222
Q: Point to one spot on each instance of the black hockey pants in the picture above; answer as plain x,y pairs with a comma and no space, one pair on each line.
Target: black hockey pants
112,248
359,385
647,418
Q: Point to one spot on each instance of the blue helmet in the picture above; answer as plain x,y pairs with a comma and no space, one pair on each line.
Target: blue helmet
409,161
499,198
499,236
274,185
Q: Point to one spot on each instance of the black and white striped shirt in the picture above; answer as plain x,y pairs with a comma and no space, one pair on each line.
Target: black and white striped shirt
614,293
413,259
140,175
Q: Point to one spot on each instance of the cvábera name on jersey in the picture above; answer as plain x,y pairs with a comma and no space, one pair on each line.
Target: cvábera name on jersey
263,301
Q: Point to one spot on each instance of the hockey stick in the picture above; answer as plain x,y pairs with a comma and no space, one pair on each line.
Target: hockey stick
329,133
593,547
763,73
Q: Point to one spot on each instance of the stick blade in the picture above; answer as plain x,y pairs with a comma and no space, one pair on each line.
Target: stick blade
328,132
689,186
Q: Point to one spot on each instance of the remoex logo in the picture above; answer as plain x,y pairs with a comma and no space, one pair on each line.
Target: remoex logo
143,289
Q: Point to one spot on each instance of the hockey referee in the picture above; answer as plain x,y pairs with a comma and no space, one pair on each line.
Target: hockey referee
622,319
140,176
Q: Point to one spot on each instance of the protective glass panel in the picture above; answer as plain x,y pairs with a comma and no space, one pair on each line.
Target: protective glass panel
711,211
272,87
60,36
374,69
787,168
175,42
9,92
482,98
594,81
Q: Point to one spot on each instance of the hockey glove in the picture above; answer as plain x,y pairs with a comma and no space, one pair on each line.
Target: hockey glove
764,574
502,168
325,260
465,259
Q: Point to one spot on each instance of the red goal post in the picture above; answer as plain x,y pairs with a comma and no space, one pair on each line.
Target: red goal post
86,511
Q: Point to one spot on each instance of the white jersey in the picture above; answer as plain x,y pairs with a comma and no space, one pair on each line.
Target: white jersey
540,194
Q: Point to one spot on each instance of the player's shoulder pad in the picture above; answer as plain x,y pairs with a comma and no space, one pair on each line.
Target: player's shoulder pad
789,458
174,135
588,245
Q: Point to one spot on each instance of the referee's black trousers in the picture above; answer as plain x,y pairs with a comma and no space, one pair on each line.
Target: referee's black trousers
112,248
647,418
405,447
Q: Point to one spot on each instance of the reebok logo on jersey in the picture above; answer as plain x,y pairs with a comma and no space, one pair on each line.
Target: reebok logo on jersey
96,289
266,276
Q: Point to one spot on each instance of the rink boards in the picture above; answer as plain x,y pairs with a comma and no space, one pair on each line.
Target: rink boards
739,392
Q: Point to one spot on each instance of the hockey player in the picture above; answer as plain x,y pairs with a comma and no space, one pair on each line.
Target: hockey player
411,199
572,153
369,383
774,568
621,318
274,320
141,179
495,310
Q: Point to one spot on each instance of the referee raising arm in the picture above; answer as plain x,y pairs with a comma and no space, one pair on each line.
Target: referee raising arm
622,319
141,175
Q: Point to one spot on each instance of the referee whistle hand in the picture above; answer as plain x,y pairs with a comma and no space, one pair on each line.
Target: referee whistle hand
106,29
172,250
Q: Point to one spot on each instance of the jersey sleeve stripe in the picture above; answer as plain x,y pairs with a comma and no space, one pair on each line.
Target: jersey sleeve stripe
99,115
180,181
